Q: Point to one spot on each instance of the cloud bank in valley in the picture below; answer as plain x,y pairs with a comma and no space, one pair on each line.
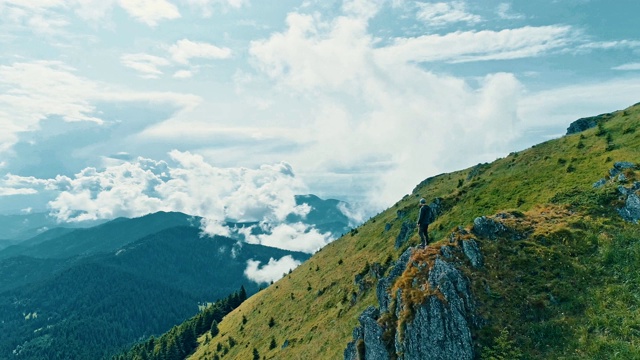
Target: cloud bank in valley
190,185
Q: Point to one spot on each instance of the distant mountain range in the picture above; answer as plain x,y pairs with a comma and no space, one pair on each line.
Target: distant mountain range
86,293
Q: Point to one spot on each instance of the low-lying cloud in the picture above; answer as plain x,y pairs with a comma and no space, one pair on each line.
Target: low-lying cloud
187,184
272,271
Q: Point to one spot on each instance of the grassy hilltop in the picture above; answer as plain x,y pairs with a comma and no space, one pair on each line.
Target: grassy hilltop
567,287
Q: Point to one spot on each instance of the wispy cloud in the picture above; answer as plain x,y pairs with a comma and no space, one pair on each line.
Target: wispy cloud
150,12
38,90
184,50
628,66
147,65
483,45
7,191
504,12
206,7
444,13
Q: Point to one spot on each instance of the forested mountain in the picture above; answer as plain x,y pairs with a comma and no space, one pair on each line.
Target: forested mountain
142,289
533,256
128,278
65,243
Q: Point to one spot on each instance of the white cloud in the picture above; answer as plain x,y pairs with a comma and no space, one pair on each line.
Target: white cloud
183,74
147,65
41,89
192,186
150,12
607,45
272,271
7,191
296,237
483,45
184,50
628,66
443,13
206,7
378,116
504,12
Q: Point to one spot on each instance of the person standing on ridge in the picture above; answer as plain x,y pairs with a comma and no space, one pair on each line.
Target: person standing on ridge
423,223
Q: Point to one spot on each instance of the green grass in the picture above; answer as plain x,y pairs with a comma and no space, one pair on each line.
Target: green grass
569,290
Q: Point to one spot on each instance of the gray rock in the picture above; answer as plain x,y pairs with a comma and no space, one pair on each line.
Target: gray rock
622,165
406,230
369,334
446,252
581,125
600,183
385,283
619,167
472,252
285,344
622,178
440,330
487,228
631,210
387,227
374,348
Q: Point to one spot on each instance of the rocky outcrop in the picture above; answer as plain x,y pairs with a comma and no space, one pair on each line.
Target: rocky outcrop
583,124
619,167
385,283
472,252
440,327
406,230
488,228
631,209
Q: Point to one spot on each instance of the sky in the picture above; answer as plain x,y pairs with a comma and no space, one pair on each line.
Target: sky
227,108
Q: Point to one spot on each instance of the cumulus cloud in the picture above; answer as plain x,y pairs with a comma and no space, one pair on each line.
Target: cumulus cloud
272,271
190,185
443,13
296,237
408,121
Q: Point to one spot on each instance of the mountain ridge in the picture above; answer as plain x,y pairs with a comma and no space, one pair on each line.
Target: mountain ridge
553,211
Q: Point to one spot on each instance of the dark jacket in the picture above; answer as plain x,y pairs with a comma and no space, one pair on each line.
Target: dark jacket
423,218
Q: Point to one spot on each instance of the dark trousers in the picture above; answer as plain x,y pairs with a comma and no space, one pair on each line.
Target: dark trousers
424,234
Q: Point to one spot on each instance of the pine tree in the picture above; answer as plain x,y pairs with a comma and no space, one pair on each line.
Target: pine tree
214,329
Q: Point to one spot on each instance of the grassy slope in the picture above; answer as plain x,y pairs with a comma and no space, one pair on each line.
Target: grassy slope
312,306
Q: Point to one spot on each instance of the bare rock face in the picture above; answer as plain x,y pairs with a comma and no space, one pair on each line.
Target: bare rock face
440,328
